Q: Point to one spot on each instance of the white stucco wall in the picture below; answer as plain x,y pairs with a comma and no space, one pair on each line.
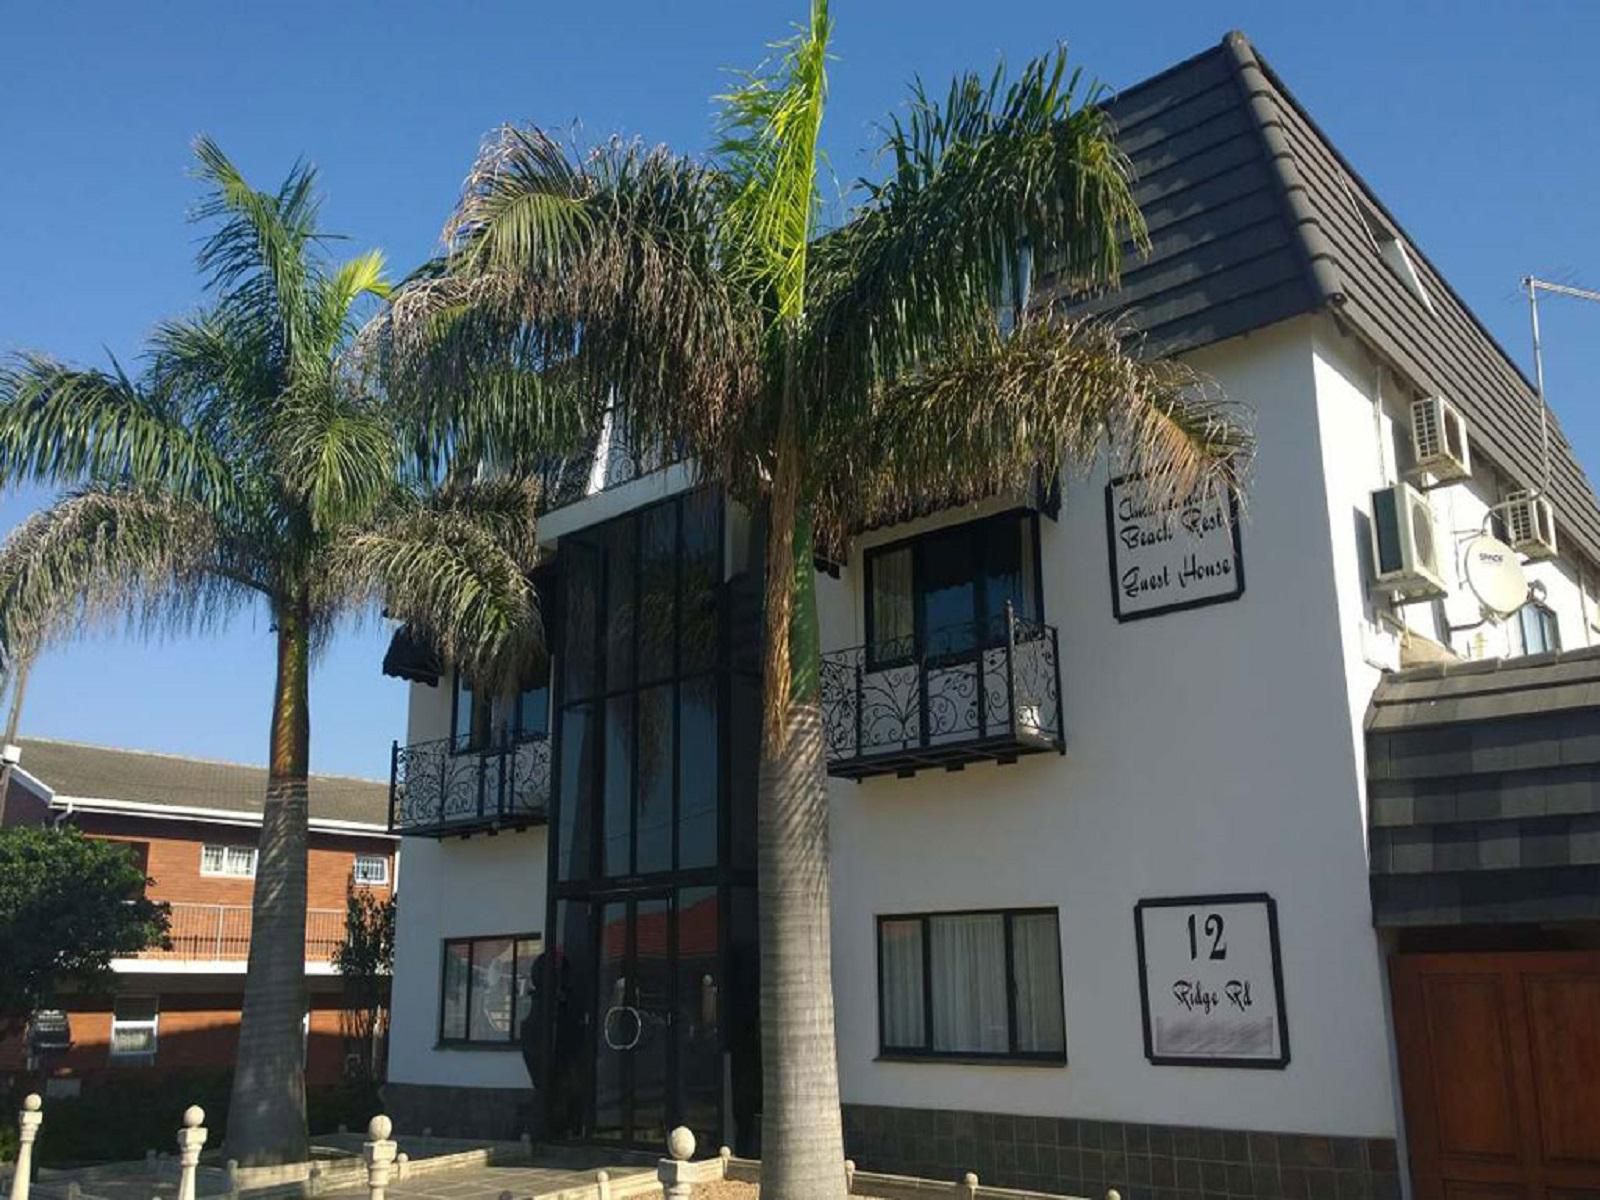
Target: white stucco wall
1209,751
456,888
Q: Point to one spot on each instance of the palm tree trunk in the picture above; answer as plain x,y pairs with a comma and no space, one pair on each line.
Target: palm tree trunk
267,1115
802,1142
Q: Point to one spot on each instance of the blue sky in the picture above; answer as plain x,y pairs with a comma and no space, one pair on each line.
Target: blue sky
1475,122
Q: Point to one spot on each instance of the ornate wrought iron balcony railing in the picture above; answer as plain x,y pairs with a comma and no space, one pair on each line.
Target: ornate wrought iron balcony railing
448,786
950,696
617,457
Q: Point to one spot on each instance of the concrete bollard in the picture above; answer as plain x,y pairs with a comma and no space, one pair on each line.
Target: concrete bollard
74,1190
230,1175
28,1122
316,1181
1113,1194
379,1151
849,1175
602,1185
402,1167
151,1165
672,1172
190,1138
969,1186
526,1139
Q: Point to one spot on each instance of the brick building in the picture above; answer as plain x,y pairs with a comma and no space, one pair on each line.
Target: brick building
194,826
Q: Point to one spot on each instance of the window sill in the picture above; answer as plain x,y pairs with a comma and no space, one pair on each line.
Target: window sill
971,1060
477,1046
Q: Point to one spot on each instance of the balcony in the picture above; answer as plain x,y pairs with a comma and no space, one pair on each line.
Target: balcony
972,693
616,457
221,933
446,788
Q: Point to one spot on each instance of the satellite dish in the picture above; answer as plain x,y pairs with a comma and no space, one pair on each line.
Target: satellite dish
1495,575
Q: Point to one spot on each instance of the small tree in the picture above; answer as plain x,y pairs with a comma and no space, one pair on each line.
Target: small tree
365,961
69,904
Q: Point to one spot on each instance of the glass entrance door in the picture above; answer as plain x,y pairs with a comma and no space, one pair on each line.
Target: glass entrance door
633,1020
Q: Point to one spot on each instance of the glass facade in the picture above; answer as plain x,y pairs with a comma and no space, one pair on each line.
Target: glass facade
653,839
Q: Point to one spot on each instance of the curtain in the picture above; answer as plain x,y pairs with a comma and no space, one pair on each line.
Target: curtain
900,944
1036,967
969,983
893,624
490,1016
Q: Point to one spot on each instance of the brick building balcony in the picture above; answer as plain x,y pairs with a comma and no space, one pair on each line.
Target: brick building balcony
221,933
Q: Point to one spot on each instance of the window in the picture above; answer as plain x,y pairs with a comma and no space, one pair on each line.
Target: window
971,985
133,1030
469,716
1540,630
945,592
238,862
370,870
487,989
1392,249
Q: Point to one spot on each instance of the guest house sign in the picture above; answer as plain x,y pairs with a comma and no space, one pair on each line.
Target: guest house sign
1211,981
1165,559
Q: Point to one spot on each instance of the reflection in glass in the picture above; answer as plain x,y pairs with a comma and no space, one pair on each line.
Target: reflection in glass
489,1016
576,803
619,605
658,578
619,785
697,774
655,779
700,1006
457,964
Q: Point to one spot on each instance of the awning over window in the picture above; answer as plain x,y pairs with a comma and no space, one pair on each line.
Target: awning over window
408,657
1484,788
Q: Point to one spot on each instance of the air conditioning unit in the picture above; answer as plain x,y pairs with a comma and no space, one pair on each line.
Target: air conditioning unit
1530,524
1405,545
1439,439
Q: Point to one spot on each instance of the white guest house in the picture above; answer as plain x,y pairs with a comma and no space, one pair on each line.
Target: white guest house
1207,852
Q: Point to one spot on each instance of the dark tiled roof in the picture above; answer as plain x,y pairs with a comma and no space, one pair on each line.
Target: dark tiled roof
1255,218
105,773
1484,791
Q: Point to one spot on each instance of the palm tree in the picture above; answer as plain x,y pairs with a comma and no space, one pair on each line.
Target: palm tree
247,466
835,376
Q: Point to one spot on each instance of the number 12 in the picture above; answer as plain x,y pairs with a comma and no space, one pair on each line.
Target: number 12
1213,930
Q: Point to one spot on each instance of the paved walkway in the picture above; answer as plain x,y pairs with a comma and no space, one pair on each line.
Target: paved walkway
488,1183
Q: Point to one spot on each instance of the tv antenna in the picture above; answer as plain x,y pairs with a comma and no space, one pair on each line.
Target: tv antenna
1535,286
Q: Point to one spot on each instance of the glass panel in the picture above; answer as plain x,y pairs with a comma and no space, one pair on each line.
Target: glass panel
241,861
527,955
457,958
697,773
699,1022
702,560
1008,573
615,1022
489,1014
575,815
968,979
569,1025
580,578
893,611
744,718
655,779
620,567
533,702
134,1008
949,592
658,583
901,1011
619,786
462,726
1036,978
653,998
211,859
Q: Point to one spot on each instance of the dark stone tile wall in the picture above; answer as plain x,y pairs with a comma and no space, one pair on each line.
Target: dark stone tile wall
1143,1162
452,1111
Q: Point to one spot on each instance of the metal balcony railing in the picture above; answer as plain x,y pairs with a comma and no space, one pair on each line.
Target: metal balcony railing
448,786
949,696
616,457
221,933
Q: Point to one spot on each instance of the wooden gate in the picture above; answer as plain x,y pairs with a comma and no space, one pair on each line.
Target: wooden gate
1500,1071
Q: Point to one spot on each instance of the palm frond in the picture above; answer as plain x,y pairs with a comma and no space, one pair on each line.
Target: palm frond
981,182
626,302
455,567
340,292
987,416
259,257
60,424
101,554
334,451
768,153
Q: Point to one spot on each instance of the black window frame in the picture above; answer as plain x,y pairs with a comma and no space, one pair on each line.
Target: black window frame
979,531
512,1040
1011,1055
1549,627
